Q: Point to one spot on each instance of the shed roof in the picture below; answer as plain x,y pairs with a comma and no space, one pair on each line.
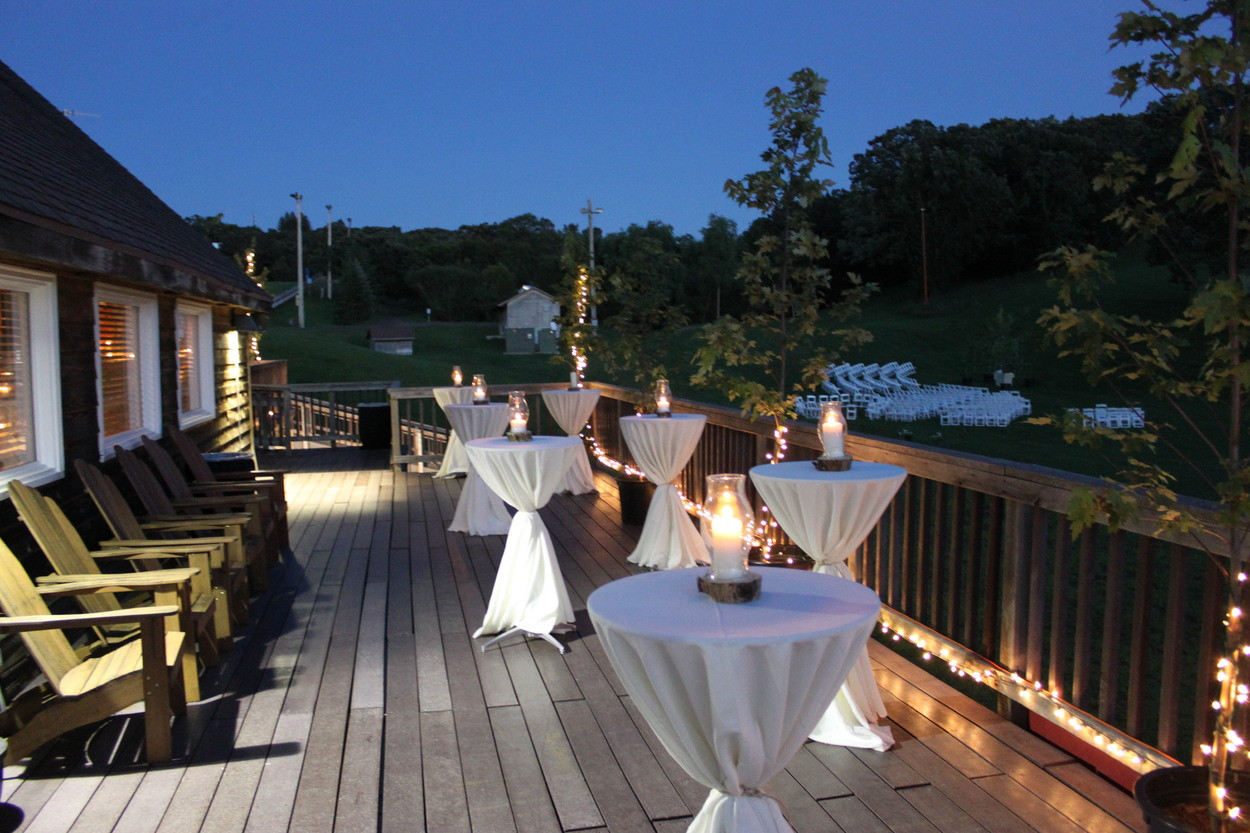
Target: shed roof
527,290
66,203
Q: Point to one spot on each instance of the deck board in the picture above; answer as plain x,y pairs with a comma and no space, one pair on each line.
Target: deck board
356,693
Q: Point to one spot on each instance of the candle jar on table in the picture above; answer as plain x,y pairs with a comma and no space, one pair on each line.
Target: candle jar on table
479,389
457,378
663,399
518,417
727,523
832,438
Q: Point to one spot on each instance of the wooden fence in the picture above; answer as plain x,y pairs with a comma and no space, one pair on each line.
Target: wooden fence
1118,629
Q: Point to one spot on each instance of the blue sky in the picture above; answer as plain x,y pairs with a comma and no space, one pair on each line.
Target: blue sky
421,114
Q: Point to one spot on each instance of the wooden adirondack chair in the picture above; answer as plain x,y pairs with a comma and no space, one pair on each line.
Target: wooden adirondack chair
82,691
227,553
196,496
156,502
269,482
64,548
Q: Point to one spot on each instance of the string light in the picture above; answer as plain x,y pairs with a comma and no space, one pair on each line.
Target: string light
964,663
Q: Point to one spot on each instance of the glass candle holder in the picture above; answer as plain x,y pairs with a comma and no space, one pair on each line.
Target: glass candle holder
663,398
832,429
479,389
727,518
518,413
457,378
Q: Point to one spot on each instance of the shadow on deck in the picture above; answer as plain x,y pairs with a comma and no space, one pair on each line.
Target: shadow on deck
356,700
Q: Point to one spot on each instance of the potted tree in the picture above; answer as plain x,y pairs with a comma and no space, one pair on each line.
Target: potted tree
1195,210
755,357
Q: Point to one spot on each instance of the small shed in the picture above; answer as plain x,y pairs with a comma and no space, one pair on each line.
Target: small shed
528,322
393,338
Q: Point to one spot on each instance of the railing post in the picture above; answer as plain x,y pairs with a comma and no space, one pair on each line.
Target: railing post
396,440
287,419
1014,598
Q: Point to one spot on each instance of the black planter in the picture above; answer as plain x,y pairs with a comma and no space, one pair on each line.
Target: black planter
1161,788
635,499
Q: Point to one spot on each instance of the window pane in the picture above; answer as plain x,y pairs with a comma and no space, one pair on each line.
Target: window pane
119,368
188,364
17,440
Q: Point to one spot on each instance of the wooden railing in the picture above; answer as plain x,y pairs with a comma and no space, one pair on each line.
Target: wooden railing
288,416
977,554
1121,626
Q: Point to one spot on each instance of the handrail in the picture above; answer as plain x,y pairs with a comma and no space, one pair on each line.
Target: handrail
1113,626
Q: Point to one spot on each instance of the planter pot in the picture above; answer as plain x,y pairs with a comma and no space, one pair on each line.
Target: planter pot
1160,790
635,499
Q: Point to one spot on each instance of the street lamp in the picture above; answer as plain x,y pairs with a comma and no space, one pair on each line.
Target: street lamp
299,257
329,252
590,211
924,256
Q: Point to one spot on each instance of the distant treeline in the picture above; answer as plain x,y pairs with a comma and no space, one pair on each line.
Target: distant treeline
993,198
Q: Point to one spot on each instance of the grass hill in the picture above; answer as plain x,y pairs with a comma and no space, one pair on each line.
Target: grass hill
960,337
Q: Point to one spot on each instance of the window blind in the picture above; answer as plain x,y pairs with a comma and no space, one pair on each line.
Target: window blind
17,439
119,367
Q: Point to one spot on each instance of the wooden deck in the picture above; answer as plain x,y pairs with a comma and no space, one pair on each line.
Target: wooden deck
357,701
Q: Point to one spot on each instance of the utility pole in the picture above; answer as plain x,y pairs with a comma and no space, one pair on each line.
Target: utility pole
590,211
329,251
299,256
924,256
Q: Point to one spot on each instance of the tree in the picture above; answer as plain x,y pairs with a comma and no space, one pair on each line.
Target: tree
753,357
716,257
353,303
642,289
1194,362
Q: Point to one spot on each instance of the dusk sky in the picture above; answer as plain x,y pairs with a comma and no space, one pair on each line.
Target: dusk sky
422,114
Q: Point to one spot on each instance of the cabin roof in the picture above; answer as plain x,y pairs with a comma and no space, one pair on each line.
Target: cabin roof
66,204
527,290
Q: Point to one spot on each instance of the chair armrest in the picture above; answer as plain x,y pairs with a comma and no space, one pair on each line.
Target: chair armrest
191,522
205,544
69,582
213,501
17,624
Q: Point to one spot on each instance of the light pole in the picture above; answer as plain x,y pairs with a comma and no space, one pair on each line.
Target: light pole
590,211
329,251
299,257
924,256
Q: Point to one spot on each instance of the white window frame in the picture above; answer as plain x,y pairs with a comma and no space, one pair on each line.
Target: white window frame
147,340
204,365
45,366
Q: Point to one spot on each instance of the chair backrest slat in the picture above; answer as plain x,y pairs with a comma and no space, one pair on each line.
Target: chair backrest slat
60,542
191,455
151,494
49,648
165,466
109,500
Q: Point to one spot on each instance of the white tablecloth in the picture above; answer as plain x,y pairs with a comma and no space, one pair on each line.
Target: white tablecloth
732,690
661,447
479,510
829,514
454,460
529,591
571,409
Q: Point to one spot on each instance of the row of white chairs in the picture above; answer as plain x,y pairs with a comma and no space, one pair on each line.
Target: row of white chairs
994,409
872,379
1114,417
809,406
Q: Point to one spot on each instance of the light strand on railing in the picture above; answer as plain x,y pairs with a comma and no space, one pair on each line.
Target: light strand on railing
1031,693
